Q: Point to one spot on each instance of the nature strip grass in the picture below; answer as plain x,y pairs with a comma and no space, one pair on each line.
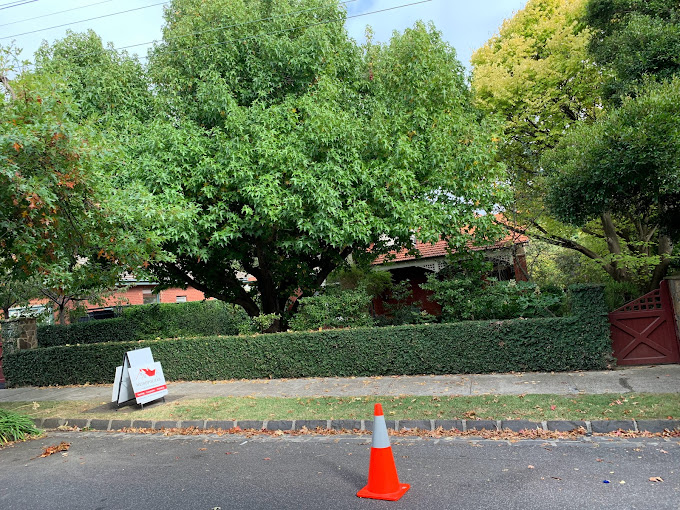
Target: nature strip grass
488,407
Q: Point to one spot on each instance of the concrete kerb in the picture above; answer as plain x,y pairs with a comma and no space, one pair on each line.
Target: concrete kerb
600,426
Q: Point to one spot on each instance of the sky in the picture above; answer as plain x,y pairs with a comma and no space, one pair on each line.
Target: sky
465,24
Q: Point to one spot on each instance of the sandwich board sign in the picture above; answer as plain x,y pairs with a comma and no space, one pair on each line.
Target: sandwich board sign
139,377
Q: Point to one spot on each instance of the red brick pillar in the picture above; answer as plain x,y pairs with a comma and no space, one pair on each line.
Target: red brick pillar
520,261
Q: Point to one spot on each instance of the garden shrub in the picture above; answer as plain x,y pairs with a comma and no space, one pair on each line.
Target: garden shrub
468,297
577,342
140,322
340,309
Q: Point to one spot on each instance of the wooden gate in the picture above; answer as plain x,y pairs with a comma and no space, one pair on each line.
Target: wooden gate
2,376
643,331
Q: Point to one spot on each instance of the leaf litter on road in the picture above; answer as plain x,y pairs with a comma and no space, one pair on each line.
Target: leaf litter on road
51,450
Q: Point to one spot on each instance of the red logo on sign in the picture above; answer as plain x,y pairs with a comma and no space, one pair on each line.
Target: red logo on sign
148,371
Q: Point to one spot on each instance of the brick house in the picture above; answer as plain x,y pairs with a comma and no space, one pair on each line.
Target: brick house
130,292
507,255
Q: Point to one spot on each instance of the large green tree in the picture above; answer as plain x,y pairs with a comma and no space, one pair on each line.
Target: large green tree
635,40
60,211
547,73
535,74
291,147
625,166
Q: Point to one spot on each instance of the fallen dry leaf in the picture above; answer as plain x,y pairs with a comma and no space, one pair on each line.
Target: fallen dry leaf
530,466
655,479
51,450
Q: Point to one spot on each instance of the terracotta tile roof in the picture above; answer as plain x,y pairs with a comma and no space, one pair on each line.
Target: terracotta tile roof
438,249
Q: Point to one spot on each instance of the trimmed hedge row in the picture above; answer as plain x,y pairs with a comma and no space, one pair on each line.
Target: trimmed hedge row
552,344
143,322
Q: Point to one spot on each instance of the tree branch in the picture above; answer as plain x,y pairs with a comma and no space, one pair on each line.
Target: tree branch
5,82
242,299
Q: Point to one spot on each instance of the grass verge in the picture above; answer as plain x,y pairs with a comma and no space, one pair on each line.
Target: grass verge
488,407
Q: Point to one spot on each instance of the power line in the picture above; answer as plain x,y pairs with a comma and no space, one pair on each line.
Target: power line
53,13
298,27
325,22
16,4
82,20
224,27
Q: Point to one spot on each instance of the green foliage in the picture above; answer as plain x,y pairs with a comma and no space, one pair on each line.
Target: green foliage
344,309
290,150
109,86
551,266
536,76
546,344
465,292
63,219
634,39
400,308
16,290
15,427
106,330
167,320
367,279
471,298
258,324
546,74
628,163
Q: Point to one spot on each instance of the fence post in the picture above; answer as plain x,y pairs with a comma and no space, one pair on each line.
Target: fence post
674,290
2,376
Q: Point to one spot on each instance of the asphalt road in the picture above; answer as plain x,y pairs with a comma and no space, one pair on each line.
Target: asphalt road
148,472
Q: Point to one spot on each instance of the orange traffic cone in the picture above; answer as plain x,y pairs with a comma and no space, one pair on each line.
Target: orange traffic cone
383,482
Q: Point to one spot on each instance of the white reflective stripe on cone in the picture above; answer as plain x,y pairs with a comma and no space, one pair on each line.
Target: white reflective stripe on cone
380,437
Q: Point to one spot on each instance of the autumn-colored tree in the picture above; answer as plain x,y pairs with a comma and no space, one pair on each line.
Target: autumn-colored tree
58,209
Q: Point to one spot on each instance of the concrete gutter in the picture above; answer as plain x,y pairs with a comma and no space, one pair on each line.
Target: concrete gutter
600,426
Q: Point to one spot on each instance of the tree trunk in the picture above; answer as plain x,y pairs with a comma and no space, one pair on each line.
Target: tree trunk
5,312
61,317
665,250
613,243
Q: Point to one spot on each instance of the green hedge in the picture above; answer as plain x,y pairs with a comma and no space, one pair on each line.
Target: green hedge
547,344
144,322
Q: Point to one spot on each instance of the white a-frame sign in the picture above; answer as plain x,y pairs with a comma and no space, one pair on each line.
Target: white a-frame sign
139,377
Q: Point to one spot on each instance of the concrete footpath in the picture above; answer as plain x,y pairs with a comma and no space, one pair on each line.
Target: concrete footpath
645,379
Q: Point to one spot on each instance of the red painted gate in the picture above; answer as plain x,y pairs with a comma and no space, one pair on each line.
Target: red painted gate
643,331
2,376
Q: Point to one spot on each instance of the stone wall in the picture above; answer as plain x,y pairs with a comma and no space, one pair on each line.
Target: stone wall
20,333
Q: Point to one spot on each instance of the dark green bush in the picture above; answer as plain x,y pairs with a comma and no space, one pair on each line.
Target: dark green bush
348,308
467,297
105,330
198,318
578,342
143,322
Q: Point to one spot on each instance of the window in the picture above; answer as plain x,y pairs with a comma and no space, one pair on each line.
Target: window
149,297
180,299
